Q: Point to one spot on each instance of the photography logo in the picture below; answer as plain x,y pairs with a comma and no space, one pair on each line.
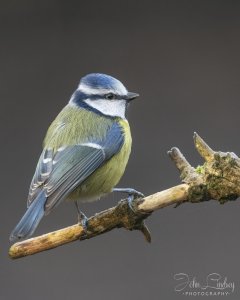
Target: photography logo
214,284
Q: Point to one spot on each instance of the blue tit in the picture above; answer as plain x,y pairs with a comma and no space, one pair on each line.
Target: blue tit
85,151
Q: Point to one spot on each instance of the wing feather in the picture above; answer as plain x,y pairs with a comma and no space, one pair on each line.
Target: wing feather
85,160
59,172
43,170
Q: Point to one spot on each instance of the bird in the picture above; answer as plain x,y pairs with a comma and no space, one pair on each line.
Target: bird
85,152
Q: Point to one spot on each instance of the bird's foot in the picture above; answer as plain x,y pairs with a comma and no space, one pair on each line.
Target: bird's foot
129,191
82,220
132,194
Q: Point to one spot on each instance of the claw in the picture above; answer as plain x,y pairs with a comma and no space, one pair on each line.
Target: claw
132,194
82,219
130,199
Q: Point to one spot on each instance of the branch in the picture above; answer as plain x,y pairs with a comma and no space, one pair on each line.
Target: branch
218,178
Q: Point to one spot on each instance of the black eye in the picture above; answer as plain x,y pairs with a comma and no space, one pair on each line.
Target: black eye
110,96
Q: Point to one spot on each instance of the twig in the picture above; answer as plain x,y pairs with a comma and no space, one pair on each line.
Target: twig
218,178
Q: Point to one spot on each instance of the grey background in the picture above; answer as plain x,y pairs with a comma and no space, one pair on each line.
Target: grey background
183,58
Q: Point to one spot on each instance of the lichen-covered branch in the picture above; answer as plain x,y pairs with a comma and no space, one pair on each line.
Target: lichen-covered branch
116,217
218,178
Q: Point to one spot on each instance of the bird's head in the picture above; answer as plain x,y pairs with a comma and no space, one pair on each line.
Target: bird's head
103,94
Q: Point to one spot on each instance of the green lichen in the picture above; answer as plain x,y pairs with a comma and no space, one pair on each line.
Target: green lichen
200,169
198,193
229,197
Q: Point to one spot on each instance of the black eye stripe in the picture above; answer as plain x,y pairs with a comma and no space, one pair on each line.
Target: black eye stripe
103,96
110,96
79,96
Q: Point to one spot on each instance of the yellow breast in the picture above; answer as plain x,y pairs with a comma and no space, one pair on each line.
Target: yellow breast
103,180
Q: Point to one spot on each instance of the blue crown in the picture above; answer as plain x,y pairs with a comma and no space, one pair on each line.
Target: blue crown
102,81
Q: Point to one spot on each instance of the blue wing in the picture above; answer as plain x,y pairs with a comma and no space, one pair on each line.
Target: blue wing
59,173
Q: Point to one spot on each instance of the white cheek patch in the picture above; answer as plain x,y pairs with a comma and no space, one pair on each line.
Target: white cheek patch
113,108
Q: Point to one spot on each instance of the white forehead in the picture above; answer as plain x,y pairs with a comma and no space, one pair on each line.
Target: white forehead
116,88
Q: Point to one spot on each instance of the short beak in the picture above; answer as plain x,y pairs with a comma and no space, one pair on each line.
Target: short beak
130,96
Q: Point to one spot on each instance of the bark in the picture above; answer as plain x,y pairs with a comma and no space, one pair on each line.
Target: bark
218,179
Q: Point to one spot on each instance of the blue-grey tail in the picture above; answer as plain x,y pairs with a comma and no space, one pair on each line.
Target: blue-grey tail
30,220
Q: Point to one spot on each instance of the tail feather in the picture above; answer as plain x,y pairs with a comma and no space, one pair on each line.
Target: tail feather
30,220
